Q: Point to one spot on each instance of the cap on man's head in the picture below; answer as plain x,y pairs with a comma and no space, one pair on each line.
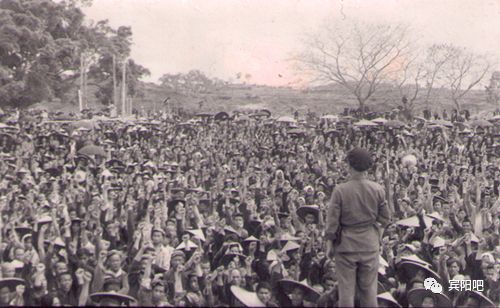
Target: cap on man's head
177,253
359,159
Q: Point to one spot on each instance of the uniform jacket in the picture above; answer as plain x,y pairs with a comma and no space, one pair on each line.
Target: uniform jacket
357,206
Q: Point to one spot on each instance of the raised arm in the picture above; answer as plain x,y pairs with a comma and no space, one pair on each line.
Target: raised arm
84,293
40,244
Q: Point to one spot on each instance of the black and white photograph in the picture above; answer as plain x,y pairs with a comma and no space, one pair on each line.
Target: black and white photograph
250,153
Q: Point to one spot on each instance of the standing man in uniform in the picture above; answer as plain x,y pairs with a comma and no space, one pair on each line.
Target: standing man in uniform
356,216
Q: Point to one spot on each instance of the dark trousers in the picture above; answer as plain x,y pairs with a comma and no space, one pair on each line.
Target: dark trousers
357,271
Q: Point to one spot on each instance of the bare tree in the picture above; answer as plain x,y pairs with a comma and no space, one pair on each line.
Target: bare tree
408,83
419,75
436,59
493,89
464,71
359,57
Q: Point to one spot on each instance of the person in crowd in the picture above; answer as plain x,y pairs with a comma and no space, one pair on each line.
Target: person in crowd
177,210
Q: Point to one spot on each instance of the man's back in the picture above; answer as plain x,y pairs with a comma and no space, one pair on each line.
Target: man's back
357,207
359,203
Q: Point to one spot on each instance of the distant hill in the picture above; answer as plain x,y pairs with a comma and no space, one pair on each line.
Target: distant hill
280,100
283,100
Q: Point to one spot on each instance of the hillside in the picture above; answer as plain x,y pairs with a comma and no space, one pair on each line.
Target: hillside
280,100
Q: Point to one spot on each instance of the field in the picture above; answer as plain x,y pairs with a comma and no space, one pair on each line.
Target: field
280,100
326,99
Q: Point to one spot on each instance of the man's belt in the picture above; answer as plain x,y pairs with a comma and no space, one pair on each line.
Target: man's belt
338,234
360,225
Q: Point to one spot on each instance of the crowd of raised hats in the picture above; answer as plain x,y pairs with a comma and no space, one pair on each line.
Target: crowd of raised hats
230,211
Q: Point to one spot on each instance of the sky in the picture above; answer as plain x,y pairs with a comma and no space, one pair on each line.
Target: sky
259,37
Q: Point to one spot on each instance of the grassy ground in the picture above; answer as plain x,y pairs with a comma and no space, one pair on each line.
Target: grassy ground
326,99
330,99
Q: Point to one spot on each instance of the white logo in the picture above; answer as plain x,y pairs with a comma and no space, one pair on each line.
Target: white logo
433,285
466,285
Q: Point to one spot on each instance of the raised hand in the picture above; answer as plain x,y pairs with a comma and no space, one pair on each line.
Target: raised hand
20,290
80,275
87,277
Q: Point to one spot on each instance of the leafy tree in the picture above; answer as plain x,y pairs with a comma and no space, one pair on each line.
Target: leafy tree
102,76
41,46
192,83
104,43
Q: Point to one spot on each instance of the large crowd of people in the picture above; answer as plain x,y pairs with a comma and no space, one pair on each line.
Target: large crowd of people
227,211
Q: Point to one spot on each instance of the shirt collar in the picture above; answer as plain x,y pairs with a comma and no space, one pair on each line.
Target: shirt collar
358,176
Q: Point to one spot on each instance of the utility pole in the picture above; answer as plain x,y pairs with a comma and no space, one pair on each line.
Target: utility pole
130,104
124,87
80,92
114,100
84,94
80,103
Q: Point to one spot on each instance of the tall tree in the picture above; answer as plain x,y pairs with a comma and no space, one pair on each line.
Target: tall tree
408,83
37,49
436,59
357,56
463,72
104,43
41,44
493,89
